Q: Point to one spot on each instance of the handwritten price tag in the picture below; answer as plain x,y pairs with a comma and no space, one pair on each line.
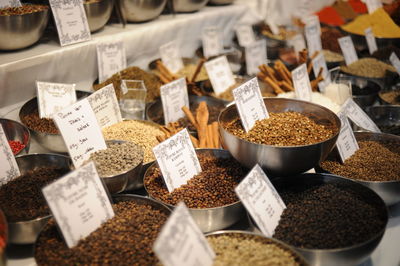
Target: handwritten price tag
301,82
369,35
358,116
212,42
171,56
220,74
111,58
256,54
346,144
313,36
245,34
8,165
348,50
318,64
395,62
9,3
174,96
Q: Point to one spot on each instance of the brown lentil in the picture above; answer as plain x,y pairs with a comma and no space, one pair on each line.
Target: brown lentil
368,67
392,97
213,187
282,129
126,239
372,162
44,125
22,10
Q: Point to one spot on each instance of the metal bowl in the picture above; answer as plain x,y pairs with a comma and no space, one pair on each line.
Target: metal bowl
220,2
387,118
209,219
281,160
26,232
360,43
188,5
16,131
98,13
52,142
20,31
352,255
365,91
389,191
140,11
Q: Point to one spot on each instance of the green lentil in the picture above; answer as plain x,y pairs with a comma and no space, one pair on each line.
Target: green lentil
368,67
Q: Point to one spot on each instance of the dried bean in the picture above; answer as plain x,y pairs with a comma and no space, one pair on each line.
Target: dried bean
22,10
34,122
16,146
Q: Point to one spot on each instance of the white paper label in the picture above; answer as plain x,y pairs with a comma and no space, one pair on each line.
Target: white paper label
318,63
395,62
53,97
80,131
181,242
261,200
220,74
105,106
174,96
298,43
171,56
313,36
9,3
177,160
245,34
373,5
79,203
249,103
111,58
347,143
256,55
8,165
358,116
369,35
212,42
302,84
71,21
348,50
312,19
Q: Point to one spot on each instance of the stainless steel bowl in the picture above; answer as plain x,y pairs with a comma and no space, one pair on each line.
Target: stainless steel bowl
26,232
261,238
141,10
386,117
188,5
352,255
365,91
285,160
98,13
389,191
220,2
52,142
20,31
209,219
16,131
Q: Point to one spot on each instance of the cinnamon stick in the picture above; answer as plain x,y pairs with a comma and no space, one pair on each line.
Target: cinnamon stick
274,86
215,134
190,116
198,68
194,141
202,121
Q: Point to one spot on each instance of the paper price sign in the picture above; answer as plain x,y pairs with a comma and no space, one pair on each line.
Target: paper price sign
318,64
174,96
181,242
302,84
111,58
212,42
177,160
250,103
369,36
71,21
9,3
256,54
220,74
373,5
346,144
298,43
79,203
105,106
261,200
245,34
8,165
348,50
313,36
395,62
171,56
358,116
80,131
53,97
312,20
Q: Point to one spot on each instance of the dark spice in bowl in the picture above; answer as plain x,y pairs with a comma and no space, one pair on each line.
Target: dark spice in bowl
367,90
391,97
44,125
22,10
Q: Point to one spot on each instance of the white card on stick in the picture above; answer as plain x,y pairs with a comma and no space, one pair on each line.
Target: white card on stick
301,82
105,106
358,116
111,58
245,34
79,203
347,143
80,131
8,165
371,42
177,160
318,63
348,50
212,42
395,62
9,3
261,200
250,103
313,36
220,74
171,56
181,241
256,55
71,21
174,96
53,97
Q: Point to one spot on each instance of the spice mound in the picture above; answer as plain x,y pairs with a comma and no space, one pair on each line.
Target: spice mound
21,199
16,146
249,250
142,133
392,97
44,125
117,158
126,239
374,161
282,129
368,67
327,217
213,187
22,10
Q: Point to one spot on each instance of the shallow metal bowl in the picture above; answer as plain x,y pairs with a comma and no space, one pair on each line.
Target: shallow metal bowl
26,232
98,13
389,191
188,5
386,117
16,131
52,142
140,11
209,219
20,31
281,160
365,91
